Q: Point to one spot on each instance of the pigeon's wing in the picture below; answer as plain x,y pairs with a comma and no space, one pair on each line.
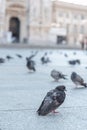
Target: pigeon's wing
60,97
33,55
30,64
61,75
79,79
52,103
40,106
72,62
46,105
18,55
46,97
30,57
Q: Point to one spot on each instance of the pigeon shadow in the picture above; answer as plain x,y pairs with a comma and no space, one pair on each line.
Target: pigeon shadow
50,115
79,88
60,81
31,72
27,73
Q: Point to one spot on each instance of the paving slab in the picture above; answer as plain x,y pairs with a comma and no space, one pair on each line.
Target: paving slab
21,92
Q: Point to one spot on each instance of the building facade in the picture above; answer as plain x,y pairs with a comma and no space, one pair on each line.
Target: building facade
16,19
70,18
2,19
52,21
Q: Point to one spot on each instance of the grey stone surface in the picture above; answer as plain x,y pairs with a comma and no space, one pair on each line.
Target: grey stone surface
22,92
41,45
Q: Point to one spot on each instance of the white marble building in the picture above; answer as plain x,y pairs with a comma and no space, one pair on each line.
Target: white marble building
2,19
44,21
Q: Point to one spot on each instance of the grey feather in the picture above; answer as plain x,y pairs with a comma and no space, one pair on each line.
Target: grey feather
77,79
57,75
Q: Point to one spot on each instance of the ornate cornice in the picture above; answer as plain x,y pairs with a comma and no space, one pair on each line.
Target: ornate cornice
15,12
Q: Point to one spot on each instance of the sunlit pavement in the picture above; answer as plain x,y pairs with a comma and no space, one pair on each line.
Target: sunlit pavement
21,92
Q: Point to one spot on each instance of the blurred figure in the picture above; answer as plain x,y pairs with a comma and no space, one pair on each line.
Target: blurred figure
85,43
82,44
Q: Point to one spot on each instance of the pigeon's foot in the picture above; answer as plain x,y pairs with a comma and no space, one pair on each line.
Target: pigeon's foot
55,111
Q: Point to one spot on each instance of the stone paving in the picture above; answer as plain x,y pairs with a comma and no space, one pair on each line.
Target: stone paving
22,92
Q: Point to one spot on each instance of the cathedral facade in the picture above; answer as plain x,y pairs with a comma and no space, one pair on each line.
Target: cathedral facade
50,21
28,20
2,18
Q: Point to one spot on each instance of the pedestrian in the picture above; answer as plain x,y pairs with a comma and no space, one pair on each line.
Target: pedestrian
82,44
85,43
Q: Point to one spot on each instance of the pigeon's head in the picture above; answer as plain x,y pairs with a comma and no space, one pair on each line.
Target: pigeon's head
61,88
78,61
74,73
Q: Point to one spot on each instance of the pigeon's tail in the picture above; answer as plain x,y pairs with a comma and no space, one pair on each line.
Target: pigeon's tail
38,112
34,69
41,113
84,84
64,77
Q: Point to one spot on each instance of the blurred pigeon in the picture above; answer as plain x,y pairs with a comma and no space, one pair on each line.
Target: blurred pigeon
2,60
19,56
74,53
31,56
52,100
77,79
78,61
45,54
45,60
74,62
9,57
66,55
31,65
57,75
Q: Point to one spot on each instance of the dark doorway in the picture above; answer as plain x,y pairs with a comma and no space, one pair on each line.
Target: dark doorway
15,29
61,39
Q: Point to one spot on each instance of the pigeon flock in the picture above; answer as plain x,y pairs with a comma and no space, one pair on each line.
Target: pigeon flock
55,97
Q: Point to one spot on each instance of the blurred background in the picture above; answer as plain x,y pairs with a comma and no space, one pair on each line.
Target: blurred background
43,22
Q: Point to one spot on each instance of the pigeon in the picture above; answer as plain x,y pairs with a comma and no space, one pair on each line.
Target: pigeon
52,101
74,62
2,60
31,65
31,56
66,55
45,60
74,53
45,53
9,57
78,61
19,56
77,79
57,75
